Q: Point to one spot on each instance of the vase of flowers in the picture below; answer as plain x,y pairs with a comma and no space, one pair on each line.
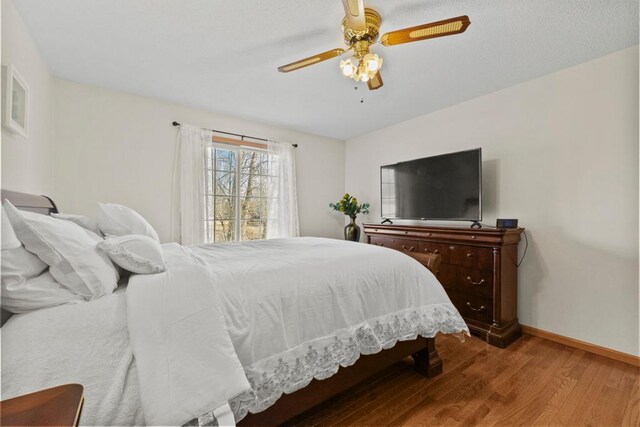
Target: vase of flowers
349,206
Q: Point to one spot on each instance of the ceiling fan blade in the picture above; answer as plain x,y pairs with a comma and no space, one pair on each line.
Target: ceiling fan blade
432,30
375,82
311,60
354,12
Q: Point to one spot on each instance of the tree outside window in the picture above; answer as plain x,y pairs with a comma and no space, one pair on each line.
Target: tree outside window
237,193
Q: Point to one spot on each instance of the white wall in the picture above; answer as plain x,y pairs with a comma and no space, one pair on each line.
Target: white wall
26,164
561,154
116,147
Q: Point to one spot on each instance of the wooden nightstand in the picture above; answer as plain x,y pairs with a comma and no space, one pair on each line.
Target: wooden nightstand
57,406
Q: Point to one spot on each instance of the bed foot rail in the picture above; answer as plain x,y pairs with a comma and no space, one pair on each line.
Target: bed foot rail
427,361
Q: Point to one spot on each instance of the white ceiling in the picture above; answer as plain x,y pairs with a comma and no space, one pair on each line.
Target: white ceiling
222,55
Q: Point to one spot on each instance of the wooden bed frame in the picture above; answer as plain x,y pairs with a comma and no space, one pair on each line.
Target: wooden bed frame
289,406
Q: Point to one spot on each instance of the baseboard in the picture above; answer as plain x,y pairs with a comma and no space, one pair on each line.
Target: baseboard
591,348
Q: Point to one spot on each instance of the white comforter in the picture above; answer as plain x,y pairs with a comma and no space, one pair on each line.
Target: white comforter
238,322
294,309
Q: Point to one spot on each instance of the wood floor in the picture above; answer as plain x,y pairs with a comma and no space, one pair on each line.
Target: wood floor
533,382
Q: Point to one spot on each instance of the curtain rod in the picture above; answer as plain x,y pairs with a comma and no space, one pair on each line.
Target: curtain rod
234,134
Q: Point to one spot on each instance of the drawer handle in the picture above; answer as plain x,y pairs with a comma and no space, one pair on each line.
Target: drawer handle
473,308
436,251
469,255
475,283
452,247
411,249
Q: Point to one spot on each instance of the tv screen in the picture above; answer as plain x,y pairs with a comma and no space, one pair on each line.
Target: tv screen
444,187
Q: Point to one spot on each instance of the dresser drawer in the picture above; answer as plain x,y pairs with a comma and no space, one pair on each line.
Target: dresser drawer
431,261
470,256
406,245
472,306
441,249
402,245
381,241
466,279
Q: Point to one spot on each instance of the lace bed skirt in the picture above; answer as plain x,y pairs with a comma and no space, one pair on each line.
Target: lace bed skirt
321,358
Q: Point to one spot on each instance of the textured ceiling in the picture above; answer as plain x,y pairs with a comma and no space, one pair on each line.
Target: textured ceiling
222,55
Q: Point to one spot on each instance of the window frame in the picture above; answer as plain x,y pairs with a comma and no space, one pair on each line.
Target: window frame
237,149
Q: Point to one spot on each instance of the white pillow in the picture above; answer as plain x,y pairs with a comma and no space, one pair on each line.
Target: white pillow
9,239
69,250
81,220
18,265
25,284
135,253
119,220
21,294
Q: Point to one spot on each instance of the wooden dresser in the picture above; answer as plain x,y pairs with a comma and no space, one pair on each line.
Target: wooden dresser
478,270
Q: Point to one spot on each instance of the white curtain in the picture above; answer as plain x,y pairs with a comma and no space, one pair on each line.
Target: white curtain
282,205
189,184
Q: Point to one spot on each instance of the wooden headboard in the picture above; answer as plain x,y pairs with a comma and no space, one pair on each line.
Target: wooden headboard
26,202
30,202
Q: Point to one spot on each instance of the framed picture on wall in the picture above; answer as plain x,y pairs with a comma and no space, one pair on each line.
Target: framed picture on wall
16,107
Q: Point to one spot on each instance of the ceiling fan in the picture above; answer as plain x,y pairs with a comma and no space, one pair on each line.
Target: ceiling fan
360,27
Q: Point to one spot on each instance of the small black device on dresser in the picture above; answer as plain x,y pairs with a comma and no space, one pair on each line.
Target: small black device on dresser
506,223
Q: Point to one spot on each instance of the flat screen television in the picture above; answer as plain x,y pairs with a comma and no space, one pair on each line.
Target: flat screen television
444,187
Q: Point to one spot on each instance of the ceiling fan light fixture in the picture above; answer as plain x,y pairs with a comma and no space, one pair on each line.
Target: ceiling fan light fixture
373,62
361,68
347,67
361,29
363,74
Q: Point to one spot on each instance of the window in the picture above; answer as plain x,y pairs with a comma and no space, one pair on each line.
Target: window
237,193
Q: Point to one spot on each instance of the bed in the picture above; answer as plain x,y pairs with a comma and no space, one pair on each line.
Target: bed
267,329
